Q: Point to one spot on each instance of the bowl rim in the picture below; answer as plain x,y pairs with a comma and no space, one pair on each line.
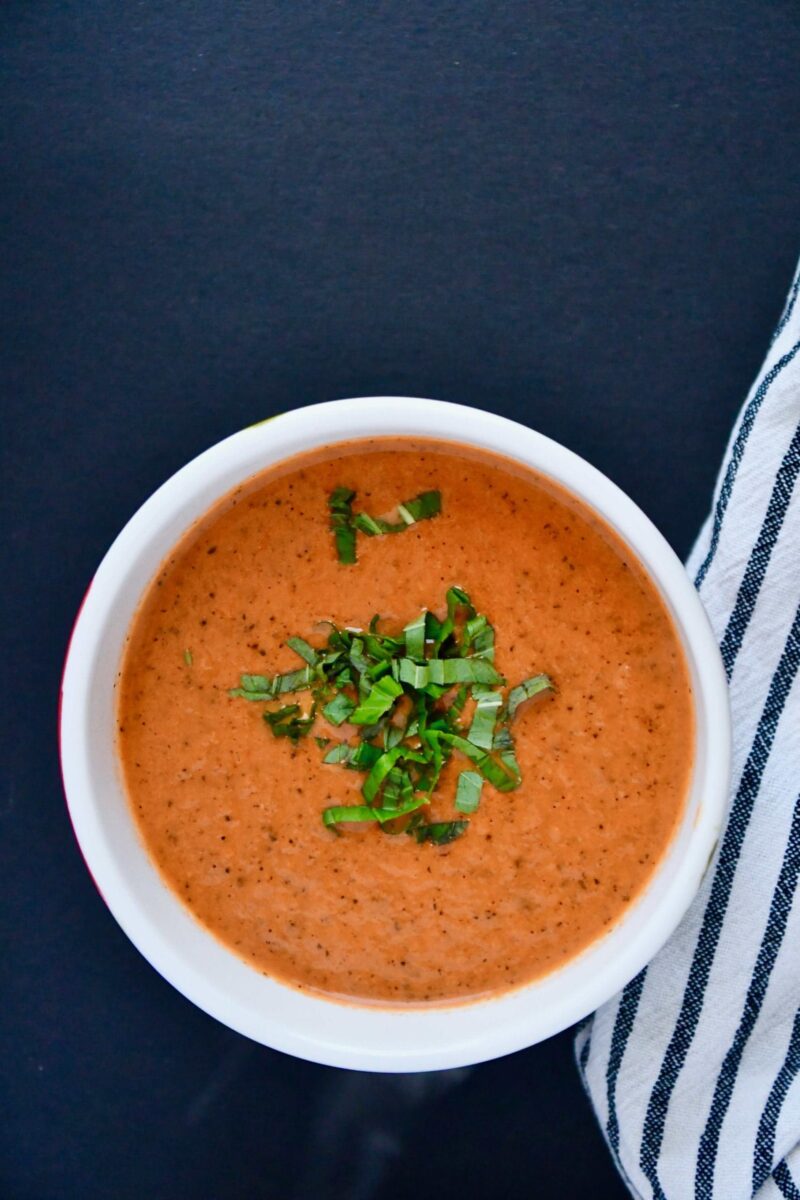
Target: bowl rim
395,1039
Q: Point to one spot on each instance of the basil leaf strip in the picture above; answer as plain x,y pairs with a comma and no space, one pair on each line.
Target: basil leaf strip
440,832
340,505
378,700
414,634
338,710
361,757
256,683
423,506
509,760
306,652
398,788
481,731
527,690
259,687
479,635
496,772
364,756
368,524
356,656
446,671
285,722
374,781
458,598
365,812
341,752
292,681
468,791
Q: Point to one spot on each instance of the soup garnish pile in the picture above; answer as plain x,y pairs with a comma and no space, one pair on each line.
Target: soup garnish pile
407,695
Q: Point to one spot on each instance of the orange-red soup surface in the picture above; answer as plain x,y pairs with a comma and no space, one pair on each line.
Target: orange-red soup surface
232,815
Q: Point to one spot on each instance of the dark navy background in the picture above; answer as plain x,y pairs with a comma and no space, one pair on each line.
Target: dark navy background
582,215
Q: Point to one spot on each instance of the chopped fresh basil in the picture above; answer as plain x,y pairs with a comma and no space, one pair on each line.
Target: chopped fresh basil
481,731
292,681
356,656
366,812
440,832
447,671
286,723
369,525
374,781
364,756
479,635
406,695
306,652
468,791
187,657
260,687
423,506
338,753
397,789
378,701
255,683
344,522
494,770
458,598
510,765
414,634
527,690
338,710
340,505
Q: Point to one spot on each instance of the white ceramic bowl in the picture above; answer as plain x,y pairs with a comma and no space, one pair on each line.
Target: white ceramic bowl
376,1039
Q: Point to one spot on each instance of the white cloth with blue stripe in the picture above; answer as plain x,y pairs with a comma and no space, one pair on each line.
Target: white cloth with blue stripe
694,1069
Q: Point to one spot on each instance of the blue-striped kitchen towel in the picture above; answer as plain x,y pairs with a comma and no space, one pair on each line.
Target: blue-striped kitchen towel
694,1069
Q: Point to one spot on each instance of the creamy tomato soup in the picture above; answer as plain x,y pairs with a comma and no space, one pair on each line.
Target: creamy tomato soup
232,814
